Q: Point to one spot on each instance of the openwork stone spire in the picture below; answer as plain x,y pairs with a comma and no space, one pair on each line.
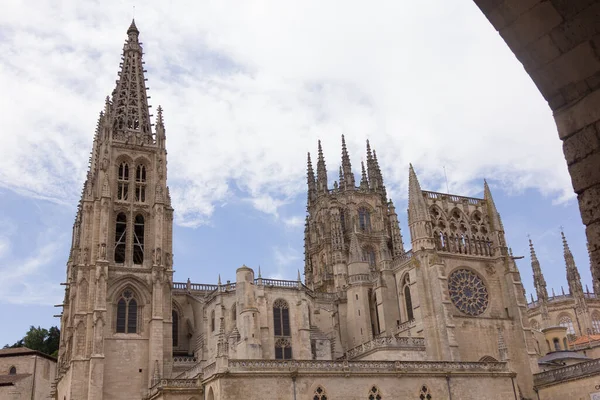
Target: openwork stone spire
538,278
321,172
310,179
573,277
364,183
129,99
346,168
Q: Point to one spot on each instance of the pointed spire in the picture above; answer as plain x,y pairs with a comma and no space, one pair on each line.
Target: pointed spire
159,116
342,180
219,281
364,183
355,253
321,172
310,180
531,294
416,203
299,278
129,99
573,277
397,241
347,167
259,274
538,277
492,211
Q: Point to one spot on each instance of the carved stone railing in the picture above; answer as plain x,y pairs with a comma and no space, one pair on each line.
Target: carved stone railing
402,259
388,342
571,372
192,372
184,361
176,383
364,366
411,323
210,369
452,198
277,283
359,278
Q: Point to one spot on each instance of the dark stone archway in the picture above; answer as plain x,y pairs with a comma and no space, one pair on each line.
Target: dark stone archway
558,43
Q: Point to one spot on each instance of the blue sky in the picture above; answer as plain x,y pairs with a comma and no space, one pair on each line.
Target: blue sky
247,89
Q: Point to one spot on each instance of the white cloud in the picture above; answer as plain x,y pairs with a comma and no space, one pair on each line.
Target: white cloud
287,261
248,87
294,222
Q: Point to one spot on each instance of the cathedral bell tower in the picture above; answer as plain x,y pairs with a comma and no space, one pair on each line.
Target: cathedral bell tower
352,236
116,321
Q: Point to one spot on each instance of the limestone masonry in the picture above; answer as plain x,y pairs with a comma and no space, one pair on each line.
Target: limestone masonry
446,319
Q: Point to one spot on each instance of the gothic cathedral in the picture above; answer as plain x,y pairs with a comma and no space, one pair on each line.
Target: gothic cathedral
371,320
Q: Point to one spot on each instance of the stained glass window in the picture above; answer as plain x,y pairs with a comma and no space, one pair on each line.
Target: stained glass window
468,292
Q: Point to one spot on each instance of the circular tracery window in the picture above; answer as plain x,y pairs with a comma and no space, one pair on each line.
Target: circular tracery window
468,292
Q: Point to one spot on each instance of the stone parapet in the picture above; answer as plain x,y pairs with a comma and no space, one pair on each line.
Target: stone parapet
564,374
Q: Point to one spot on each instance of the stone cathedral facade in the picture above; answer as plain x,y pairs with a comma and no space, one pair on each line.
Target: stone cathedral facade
372,319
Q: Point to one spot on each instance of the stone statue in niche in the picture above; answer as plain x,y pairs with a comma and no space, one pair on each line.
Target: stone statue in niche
104,165
160,168
168,260
102,251
86,255
158,256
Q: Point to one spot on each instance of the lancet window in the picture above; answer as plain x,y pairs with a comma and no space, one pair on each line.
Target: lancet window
13,370
281,330
596,322
138,240
319,394
425,394
123,182
120,237
212,321
127,313
375,394
140,184
364,219
407,298
175,321
369,256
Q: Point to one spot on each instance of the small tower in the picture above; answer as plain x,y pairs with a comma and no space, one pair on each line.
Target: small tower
540,286
419,221
576,289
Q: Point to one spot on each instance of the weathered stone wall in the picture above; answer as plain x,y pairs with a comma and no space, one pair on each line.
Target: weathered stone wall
558,43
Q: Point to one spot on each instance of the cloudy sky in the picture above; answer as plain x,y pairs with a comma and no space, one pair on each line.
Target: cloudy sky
248,88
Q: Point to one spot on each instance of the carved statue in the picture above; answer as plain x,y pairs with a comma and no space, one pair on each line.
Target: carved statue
104,165
158,256
103,251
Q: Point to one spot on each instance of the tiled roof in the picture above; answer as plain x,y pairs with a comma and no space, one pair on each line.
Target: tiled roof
23,351
585,339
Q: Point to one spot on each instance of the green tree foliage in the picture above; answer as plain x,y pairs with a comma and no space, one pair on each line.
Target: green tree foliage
40,339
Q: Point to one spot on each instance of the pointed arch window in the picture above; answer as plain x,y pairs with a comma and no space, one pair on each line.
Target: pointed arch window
138,240
375,394
140,183
120,237
319,394
407,298
425,393
123,182
234,313
13,370
596,322
369,256
567,322
364,219
175,322
127,313
281,330
212,321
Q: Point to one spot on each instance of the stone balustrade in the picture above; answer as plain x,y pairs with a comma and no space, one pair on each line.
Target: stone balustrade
365,366
388,342
571,372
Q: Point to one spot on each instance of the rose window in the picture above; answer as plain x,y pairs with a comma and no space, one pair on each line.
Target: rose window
468,292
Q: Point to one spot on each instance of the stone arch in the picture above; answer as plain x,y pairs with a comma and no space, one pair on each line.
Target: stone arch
566,319
139,287
487,359
559,55
210,394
